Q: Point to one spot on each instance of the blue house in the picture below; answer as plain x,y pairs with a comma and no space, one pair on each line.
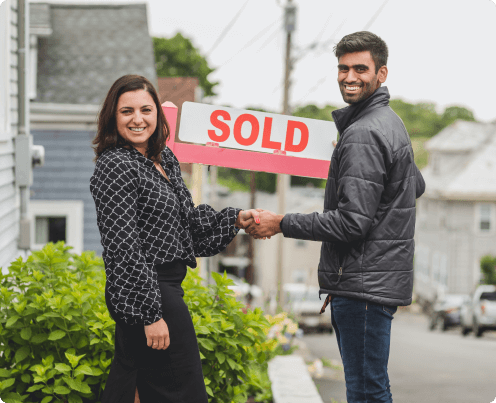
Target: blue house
77,51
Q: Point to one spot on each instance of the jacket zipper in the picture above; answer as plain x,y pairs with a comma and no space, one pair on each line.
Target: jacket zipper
340,274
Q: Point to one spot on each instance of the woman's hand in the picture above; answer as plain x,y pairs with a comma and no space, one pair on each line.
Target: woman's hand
157,335
247,217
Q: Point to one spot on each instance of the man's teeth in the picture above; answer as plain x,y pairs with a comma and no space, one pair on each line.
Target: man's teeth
352,88
136,129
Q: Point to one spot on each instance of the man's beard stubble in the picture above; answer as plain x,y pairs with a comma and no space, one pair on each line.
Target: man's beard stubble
367,90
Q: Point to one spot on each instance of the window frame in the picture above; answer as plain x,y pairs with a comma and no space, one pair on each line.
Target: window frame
72,210
492,218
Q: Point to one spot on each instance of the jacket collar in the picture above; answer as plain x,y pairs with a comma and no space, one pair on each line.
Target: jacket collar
344,117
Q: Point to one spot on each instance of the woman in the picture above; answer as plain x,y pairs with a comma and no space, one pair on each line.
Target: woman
150,231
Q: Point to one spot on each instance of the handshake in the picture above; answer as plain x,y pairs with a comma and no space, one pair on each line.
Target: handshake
260,224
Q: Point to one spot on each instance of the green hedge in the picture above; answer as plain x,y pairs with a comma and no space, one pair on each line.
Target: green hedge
57,338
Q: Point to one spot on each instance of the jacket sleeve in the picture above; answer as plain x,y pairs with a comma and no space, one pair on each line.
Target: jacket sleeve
131,282
363,160
420,183
212,230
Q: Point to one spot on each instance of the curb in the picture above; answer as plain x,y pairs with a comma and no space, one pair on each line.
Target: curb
291,382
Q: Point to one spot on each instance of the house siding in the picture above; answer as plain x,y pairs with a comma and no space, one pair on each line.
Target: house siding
9,206
69,159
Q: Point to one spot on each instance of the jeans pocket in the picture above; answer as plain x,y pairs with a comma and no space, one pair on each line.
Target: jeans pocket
390,309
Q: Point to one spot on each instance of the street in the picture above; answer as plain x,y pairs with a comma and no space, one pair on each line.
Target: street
424,366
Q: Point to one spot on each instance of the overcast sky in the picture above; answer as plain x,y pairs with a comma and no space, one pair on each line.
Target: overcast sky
440,51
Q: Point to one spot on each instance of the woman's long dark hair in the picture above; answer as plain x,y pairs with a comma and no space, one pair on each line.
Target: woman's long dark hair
107,135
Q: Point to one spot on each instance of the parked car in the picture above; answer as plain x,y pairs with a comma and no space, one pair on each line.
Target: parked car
446,311
479,313
303,302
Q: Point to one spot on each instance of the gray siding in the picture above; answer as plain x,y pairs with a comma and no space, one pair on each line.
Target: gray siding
66,175
9,208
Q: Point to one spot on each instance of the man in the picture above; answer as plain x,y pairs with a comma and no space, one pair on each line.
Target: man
368,223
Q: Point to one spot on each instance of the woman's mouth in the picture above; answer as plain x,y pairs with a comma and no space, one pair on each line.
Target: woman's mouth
137,129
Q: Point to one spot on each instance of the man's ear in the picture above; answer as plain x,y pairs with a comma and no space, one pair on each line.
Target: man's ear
382,74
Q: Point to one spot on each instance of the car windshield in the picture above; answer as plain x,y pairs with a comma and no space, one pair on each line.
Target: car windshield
489,296
303,295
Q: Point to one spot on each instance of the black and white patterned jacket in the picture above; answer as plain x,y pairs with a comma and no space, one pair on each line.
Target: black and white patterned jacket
146,220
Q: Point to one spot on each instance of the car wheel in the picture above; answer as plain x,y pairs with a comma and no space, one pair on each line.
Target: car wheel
441,323
465,330
432,323
478,330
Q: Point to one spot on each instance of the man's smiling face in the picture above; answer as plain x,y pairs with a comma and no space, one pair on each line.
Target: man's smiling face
357,78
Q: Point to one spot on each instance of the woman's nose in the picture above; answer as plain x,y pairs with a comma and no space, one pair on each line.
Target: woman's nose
137,118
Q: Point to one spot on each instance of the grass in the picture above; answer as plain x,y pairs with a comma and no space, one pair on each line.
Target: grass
421,154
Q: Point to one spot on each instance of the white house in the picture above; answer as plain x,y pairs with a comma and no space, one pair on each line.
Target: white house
456,217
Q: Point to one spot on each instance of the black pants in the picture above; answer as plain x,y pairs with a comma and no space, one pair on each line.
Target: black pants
173,375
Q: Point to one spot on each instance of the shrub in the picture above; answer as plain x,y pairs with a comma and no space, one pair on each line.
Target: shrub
56,336
231,342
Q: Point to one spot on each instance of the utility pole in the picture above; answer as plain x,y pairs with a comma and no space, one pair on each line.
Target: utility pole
283,181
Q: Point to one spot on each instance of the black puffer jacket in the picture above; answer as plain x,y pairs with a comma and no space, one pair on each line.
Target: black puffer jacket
368,222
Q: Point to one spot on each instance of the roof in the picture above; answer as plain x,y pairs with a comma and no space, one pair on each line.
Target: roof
91,45
474,179
461,136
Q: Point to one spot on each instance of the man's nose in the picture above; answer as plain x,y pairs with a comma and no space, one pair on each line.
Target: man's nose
351,77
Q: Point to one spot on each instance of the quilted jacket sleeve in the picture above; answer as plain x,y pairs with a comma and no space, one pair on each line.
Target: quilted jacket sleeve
212,230
420,183
363,164
132,284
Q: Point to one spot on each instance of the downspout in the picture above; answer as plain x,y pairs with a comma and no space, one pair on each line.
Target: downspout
23,140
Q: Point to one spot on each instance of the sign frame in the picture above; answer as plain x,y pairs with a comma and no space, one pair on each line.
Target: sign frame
212,154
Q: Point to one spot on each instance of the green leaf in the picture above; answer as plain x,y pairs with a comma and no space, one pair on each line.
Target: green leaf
21,354
61,390
62,367
8,382
34,388
77,385
238,322
47,390
83,369
209,391
74,398
11,321
220,356
207,343
4,373
56,335
39,338
26,378
231,363
47,399
26,333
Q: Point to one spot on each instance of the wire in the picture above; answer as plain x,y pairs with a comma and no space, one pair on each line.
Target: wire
374,17
250,42
226,29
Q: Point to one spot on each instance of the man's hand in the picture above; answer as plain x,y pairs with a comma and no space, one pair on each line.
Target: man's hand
157,335
270,224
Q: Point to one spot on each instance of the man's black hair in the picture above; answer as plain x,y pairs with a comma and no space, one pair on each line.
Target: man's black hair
362,41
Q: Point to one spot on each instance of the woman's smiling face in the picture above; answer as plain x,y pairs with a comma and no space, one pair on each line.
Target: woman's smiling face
136,118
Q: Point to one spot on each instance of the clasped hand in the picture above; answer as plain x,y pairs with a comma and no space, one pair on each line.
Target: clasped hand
259,223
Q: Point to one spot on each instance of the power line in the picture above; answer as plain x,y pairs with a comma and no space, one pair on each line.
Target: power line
226,29
374,17
250,42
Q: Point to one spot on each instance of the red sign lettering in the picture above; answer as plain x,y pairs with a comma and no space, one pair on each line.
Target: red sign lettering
214,119
255,128
290,146
266,142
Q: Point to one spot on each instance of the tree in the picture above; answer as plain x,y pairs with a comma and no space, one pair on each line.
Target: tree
177,57
488,268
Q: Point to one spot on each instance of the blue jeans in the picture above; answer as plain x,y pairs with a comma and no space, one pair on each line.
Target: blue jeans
363,333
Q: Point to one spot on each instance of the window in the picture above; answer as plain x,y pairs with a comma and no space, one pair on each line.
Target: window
56,220
50,229
485,217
